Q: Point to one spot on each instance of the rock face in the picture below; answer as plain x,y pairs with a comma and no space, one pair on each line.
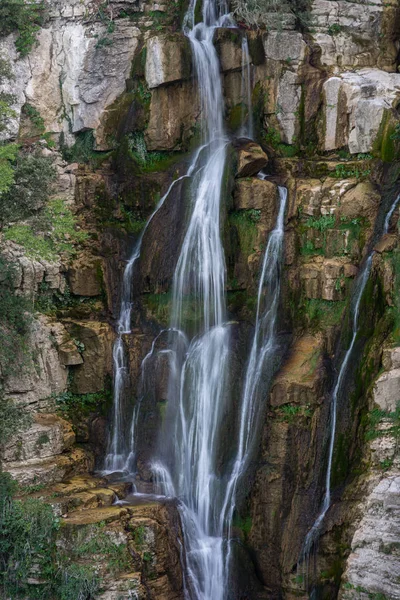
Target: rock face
44,454
365,97
325,110
373,566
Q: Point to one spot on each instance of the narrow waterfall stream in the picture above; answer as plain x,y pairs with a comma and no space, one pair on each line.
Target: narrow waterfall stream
247,128
313,534
263,348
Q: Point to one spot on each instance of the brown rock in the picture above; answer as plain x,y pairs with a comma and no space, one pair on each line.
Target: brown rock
97,339
387,243
255,194
251,158
173,113
85,276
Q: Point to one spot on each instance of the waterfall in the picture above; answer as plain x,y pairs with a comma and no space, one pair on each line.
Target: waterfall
119,454
313,534
186,466
247,128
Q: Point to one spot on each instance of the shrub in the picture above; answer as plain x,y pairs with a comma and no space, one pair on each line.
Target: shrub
8,154
26,533
33,176
15,320
24,17
53,234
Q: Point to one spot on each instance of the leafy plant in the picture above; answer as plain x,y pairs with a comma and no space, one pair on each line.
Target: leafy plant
70,404
24,17
33,176
15,320
322,223
334,29
54,235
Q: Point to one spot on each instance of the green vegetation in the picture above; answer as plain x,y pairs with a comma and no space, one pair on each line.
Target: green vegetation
343,172
395,309
15,320
54,234
6,99
24,17
258,13
26,184
323,313
148,161
71,405
28,551
34,116
99,543
291,412
245,222
334,29
378,416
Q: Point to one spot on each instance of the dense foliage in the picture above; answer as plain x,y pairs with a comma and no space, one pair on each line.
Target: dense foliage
26,18
25,182
15,320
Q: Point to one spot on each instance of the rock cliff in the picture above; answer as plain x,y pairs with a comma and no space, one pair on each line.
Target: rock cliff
107,94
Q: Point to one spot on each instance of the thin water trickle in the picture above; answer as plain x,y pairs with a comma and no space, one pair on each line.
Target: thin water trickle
247,127
313,535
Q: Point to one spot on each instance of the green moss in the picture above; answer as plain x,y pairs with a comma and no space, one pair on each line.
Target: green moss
246,229
323,313
386,146
234,120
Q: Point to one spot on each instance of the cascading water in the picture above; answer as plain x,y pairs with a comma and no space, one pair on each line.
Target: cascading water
313,534
187,463
247,128
120,454
187,468
263,349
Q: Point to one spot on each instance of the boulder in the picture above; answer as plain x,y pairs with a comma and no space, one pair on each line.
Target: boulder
251,158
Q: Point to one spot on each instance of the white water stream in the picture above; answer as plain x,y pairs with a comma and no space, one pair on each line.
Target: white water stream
313,534
187,466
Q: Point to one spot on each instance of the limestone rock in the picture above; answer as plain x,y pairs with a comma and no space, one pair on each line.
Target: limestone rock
254,193
325,278
35,385
97,339
168,59
250,158
364,96
350,34
229,47
374,562
70,73
386,392
48,436
296,381
51,470
174,110
85,276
